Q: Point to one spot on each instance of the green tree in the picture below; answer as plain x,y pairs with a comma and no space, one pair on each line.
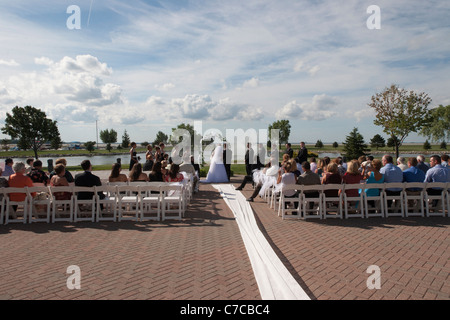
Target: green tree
56,143
192,133
125,140
108,137
400,112
443,145
391,143
160,137
335,145
285,130
31,126
319,144
439,126
377,141
145,144
426,145
354,145
90,146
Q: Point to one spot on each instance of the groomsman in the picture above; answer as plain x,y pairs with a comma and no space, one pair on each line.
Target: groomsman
249,159
289,151
227,159
302,154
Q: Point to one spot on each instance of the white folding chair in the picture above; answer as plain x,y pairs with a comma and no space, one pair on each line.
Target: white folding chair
62,209
414,199
332,206
435,204
128,202
448,200
172,202
311,206
290,205
12,215
106,207
2,203
84,208
40,204
151,202
397,202
377,209
354,206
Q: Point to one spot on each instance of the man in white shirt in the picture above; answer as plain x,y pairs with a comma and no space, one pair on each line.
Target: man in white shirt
401,163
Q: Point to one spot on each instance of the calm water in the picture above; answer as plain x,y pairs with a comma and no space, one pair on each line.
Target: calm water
125,159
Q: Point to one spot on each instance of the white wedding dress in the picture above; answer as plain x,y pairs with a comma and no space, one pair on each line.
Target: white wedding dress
216,172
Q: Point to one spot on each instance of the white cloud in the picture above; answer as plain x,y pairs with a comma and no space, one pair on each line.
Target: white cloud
322,107
252,83
165,87
10,63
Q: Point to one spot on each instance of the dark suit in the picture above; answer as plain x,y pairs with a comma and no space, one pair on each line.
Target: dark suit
290,152
302,156
227,159
87,179
249,160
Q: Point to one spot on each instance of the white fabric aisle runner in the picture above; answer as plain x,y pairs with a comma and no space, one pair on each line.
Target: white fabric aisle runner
273,279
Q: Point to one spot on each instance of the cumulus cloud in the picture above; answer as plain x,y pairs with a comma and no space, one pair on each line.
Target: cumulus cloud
301,66
202,107
320,108
252,83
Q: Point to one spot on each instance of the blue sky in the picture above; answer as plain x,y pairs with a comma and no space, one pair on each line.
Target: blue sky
145,66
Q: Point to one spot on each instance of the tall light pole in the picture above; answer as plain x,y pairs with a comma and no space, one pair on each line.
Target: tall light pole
96,129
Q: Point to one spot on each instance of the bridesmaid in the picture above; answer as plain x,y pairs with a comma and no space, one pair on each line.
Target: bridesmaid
133,155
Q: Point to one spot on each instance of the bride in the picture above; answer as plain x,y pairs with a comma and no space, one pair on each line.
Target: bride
216,172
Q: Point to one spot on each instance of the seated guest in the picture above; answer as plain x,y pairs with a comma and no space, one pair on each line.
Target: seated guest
321,168
437,173
29,165
87,179
67,174
352,176
444,161
412,174
361,160
19,180
421,164
332,176
309,178
164,169
174,174
148,158
287,177
196,165
340,167
155,175
313,164
37,175
295,170
3,183
372,175
401,163
59,180
249,179
115,175
188,167
136,173
391,174
8,171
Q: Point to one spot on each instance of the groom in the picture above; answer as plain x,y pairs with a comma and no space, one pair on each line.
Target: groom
227,156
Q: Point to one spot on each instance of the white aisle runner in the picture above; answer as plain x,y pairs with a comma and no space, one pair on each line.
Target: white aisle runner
273,279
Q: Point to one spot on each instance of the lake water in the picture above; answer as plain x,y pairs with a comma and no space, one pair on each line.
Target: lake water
125,159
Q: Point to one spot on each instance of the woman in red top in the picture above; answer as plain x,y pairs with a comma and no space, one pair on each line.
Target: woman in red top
174,174
332,176
352,176
59,180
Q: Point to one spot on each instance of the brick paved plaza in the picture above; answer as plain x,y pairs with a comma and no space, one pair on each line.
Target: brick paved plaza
203,257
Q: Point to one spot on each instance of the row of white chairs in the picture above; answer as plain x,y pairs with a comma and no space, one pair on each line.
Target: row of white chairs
406,204
130,201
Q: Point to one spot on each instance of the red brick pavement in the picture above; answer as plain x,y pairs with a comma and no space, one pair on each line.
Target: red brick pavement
200,258
329,258
204,258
